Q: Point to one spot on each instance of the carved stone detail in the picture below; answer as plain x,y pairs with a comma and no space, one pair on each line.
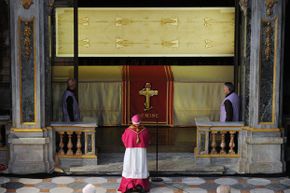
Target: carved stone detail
27,3
269,6
50,5
244,6
268,41
27,40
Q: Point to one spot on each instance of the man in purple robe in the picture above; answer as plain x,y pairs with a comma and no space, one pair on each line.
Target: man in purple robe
229,110
70,106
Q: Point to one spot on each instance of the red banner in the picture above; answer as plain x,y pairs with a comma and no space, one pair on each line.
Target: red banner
148,91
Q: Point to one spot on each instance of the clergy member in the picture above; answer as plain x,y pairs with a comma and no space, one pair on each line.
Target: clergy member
135,175
70,106
230,106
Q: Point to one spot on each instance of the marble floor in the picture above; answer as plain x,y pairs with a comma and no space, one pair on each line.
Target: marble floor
71,184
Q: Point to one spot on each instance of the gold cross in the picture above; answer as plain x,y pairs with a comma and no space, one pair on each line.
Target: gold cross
147,92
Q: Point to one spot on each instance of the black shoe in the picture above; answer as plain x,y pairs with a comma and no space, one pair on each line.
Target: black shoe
140,189
130,190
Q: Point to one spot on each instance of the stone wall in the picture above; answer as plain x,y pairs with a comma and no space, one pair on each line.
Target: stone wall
30,141
261,91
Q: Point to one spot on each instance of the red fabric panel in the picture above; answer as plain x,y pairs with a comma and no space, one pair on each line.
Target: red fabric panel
161,80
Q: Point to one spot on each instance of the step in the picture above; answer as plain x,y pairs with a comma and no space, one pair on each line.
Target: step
175,164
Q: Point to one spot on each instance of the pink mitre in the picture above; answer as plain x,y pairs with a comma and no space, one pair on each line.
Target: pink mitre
136,120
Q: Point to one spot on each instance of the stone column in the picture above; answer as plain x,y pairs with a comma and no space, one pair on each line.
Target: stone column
29,140
263,141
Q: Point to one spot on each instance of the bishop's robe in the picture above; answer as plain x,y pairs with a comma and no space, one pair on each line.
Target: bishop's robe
135,171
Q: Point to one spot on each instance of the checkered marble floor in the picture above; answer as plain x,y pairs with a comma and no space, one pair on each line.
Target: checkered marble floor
70,184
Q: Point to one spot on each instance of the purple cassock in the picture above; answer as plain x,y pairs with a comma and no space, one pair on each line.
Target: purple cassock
76,110
234,99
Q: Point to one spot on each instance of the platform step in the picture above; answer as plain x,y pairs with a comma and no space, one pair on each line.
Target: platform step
169,164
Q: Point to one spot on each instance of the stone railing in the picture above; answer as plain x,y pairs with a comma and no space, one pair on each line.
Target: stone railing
76,140
216,139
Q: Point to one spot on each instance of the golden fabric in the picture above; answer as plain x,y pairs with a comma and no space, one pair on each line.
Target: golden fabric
198,91
99,93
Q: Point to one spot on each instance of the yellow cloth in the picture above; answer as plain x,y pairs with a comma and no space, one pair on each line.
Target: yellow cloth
196,99
198,91
99,102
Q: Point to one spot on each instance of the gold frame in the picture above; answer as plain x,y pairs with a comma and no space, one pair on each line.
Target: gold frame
218,156
25,130
261,130
20,20
274,71
78,156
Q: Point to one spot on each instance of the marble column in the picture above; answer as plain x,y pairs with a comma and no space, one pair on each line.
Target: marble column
263,140
29,140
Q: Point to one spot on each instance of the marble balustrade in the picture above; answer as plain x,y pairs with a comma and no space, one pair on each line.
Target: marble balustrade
75,140
216,139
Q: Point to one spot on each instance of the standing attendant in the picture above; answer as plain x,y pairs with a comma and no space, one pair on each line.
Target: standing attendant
135,175
70,106
230,106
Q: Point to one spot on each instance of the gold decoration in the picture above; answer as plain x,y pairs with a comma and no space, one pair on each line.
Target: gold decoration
270,30
207,21
138,138
27,40
61,144
85,43
163,21
121,43
219,156
123,21
171,21
69,144
26,47
84,21
170,44
27,3
223,142
268,41
79,144
213,142
147,92
269,6
232,142
208,43
262,130
244,6
50,6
